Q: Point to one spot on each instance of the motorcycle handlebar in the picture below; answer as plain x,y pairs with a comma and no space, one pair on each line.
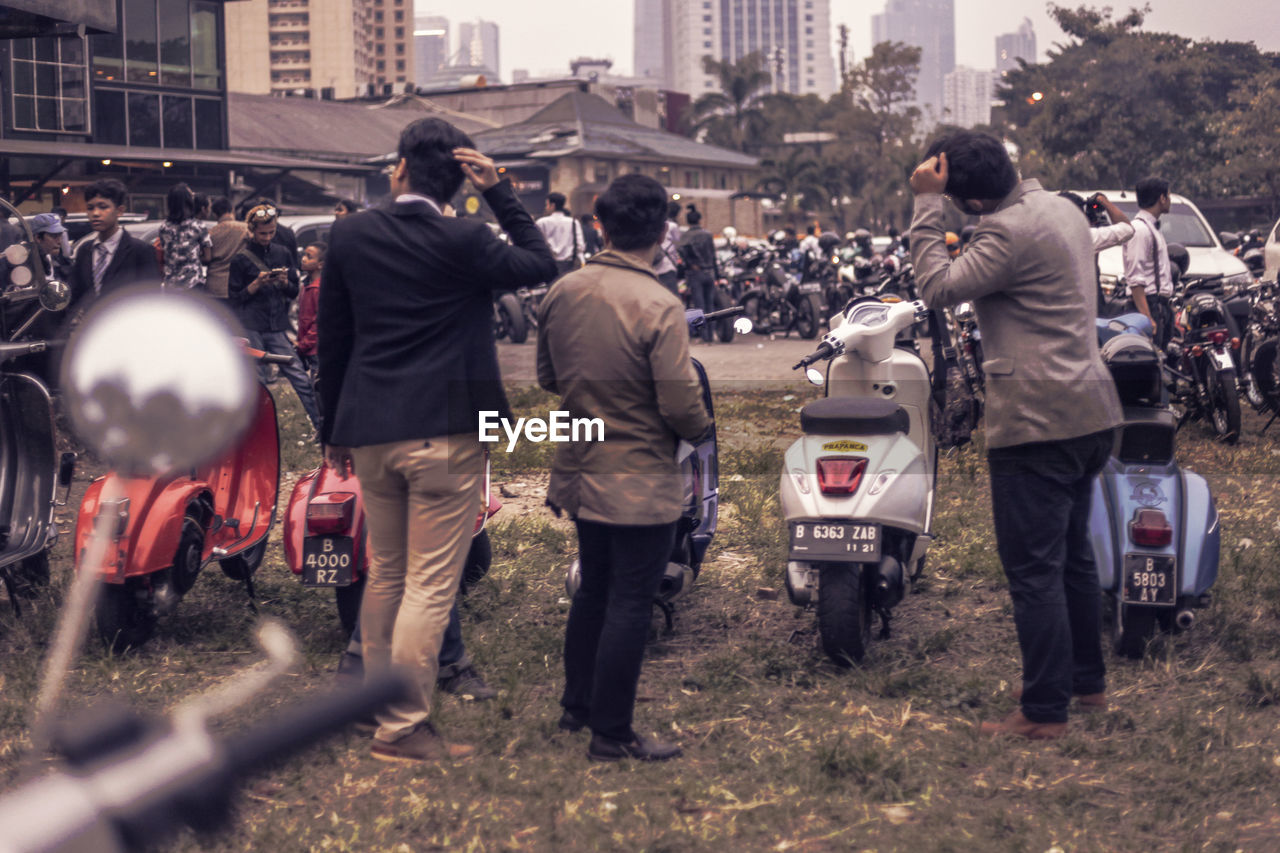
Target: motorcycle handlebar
273,358
725,312
824,351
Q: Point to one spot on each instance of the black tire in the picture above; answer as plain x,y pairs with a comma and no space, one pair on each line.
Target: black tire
29,576
844,612
243,565
807,316
125,616
479,560
188,559
751,310
723,328
348,599
1130,629
511,319
1224,406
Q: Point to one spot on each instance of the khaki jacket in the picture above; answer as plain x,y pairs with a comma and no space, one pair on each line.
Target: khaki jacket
613,343
1029,271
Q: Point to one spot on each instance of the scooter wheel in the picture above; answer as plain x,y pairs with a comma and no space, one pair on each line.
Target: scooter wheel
479,559
844,612
125,618
348,600
30,576
1130,630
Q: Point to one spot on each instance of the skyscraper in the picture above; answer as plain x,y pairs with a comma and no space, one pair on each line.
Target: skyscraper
931,26
652,40
966,97
430,46
478,46
1011,47
793,35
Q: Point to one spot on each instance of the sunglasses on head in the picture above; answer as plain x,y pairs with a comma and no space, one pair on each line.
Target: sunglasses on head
262,214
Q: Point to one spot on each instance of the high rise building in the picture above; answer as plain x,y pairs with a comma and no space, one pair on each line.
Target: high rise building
336,47
1011,47
430,46
652,41
931,26
966,97
478,47
793,35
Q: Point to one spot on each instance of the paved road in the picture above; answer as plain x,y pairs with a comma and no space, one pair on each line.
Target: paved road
749,361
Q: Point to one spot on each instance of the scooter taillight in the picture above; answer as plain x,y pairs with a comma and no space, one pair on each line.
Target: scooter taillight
840,475
331,513
1150,529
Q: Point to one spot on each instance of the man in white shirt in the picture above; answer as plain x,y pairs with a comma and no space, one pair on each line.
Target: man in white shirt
1146,258
563,234
665,266
810,241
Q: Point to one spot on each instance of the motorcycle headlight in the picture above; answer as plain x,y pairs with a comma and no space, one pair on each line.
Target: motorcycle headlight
1233,284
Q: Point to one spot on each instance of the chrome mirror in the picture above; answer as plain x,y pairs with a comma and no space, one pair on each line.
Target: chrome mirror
743,325
815,377
156,381
55,295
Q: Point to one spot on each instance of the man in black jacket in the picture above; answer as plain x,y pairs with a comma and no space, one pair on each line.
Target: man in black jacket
407,364
115,259
261,285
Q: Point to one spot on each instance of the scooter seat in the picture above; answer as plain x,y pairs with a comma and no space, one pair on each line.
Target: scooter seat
854,416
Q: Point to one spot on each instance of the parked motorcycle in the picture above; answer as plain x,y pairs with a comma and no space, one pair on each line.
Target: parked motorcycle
169,526
509,322
857,488
31,471
1154,526
1257,315
324,538
1202,359
781,302
700,473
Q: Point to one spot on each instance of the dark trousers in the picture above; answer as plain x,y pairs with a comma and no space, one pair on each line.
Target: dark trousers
702,290
671,281
453,652
279,343
1040,495
609,621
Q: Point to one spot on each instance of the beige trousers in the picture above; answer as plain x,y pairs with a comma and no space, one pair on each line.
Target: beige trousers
421,500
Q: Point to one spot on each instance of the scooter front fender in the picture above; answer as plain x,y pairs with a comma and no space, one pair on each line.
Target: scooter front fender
1200,535
151,527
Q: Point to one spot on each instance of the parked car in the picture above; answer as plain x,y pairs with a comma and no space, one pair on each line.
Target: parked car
1184,224
146,230
310,228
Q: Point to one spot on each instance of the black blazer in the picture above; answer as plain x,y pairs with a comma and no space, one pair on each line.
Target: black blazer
406,318
133,263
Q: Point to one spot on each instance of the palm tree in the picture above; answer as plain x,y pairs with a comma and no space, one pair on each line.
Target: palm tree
732,117
797,180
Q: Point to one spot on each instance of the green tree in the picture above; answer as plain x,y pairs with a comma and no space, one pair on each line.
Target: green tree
734,117
1249,141
796,178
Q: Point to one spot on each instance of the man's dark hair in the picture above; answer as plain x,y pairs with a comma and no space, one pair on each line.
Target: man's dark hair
673,210
812,229
978,166
1074,198
180,204
321,247
59,211
220,206
693,217
1149,190
633,212
108,188
427,146
350,205
556,200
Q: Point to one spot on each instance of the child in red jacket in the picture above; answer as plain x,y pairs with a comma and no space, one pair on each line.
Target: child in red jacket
308,302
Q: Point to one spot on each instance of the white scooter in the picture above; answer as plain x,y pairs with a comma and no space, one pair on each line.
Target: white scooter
857,489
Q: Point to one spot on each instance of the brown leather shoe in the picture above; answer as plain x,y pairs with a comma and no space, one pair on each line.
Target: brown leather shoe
1087,702
1016,724
422,744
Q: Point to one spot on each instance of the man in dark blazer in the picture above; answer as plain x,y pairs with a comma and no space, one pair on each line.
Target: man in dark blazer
115,259
407,363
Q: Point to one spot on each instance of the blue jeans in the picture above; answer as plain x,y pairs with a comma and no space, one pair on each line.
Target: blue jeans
1040,495
278,343
702,290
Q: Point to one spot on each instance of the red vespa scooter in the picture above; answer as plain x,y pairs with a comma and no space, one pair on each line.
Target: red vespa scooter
324,538
170,527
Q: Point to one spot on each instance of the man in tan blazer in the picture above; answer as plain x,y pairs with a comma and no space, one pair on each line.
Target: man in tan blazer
1051,407
613,342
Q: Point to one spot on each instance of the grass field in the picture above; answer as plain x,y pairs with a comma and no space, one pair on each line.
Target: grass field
783,751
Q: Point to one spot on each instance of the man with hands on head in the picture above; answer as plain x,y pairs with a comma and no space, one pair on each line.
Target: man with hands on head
407,363
1051,406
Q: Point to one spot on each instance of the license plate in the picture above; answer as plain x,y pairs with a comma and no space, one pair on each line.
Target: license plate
326,560
841,541
811,287
1150,580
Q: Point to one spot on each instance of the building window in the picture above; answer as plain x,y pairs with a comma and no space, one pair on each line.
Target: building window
602,173
379,48
808,57
399,64
400,50
808,31
379,32
706,19
693,179
399,15
707,45
706,31
377,16
50,84
399,32
808,18
382,66
664,175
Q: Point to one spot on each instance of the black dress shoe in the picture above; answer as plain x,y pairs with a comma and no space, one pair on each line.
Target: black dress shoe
640,748
571,722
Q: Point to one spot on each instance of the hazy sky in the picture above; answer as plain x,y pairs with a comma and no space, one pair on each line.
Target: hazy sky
543,35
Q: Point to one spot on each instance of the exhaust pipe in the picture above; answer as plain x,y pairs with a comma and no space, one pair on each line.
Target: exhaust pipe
1185,619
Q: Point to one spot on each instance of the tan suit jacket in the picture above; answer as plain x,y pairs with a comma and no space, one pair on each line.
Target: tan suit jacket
613,342
1029,271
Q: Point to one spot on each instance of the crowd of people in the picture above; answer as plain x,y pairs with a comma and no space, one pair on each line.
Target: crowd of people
395,360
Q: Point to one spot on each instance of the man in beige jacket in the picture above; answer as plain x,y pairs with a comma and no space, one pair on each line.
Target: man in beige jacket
614,344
